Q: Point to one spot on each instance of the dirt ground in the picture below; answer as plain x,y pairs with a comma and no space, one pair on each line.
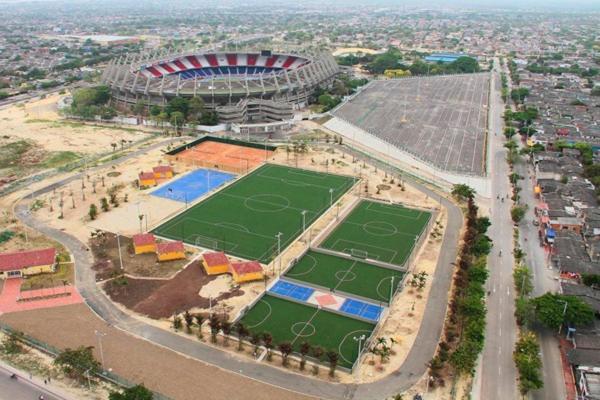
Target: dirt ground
137,360
106,253
161,299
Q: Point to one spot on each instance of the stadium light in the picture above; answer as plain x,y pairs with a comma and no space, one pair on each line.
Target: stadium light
303,221
100,335
359,339
330,197
279,250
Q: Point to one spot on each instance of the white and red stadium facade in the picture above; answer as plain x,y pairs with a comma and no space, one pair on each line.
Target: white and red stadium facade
240,86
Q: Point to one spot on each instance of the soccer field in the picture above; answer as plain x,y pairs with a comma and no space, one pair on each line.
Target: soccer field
383,232
244,218
340,274
296,323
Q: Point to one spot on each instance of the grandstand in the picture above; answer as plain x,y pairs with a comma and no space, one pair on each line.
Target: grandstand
241,86
439,120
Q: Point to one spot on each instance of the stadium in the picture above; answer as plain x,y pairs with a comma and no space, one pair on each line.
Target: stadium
240,86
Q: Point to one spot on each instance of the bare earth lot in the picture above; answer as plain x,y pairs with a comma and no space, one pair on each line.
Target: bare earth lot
163,298
169,373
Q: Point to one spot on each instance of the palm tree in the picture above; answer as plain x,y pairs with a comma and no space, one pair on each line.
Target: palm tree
199,322
317,353
268,341
189,321
242,332
226,328
285,348
255,340
215,325
304,350
333,358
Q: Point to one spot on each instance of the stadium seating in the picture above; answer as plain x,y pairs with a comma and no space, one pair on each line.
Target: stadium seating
208,66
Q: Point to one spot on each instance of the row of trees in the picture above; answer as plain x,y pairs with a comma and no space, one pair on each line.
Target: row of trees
178,112
92,101
218,325
465,325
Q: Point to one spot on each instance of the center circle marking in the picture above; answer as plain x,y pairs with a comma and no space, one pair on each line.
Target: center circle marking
380,228
267,203
345,275
303,329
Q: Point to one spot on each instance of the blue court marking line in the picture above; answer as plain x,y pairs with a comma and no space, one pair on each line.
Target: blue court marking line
361,309
193,185
292,290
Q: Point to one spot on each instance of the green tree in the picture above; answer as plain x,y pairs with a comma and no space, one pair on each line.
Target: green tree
551,311
93,212
333,358
76,363
304,350
528,362
285,348
177,119
522,277
178,104
137,392
461,191
196,108
517,213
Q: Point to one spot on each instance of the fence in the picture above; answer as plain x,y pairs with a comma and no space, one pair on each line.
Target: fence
53,352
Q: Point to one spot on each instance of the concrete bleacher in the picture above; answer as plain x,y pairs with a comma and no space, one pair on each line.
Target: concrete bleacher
439,120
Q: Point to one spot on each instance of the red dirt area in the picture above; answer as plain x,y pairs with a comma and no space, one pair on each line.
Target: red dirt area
163,298
229,157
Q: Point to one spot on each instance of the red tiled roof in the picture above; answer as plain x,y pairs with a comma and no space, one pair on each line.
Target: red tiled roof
216,258
169,247
24,259
146,175
162,168
143,239
246,267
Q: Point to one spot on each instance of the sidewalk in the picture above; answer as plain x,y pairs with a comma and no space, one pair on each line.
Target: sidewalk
37,383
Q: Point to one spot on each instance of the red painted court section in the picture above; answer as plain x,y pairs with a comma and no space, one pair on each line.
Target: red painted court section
35,299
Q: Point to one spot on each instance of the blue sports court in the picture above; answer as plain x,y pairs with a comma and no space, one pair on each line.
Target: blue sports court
292,290
362,309
193,185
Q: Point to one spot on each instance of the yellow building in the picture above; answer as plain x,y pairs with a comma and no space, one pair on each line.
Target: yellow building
396,73
246,271
162,172
147,179
144,243
215,263
24,263
170,251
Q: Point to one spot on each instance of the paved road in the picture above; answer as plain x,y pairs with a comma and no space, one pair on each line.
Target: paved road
400,380
496,378
544,280
21,388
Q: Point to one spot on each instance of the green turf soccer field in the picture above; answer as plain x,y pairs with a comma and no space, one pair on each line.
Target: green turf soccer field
384,232
244,218
345,275
296,323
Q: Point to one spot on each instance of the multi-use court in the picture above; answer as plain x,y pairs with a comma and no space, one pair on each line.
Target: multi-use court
333,293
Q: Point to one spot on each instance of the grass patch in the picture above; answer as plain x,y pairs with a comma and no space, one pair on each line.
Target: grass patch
59,158
37,121
64,272
11,153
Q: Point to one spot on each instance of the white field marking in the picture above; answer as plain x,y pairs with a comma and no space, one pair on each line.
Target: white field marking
304,325
410,215
336,188
231,224
307,323
340,281
276,207
244,198
346,337
265,318
229,228
314,264
382,226
394,252
378,288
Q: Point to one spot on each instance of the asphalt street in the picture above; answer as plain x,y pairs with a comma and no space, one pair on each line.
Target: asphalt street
21,388
497,376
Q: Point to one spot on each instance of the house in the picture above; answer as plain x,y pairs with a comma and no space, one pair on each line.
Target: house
170,251
162,172
246,271
24,263
144,243
215,263
147,179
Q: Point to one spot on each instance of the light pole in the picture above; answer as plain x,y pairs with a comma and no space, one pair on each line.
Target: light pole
391,290
563,314
279,249
119,246
303,221
330,197
359,339
100,335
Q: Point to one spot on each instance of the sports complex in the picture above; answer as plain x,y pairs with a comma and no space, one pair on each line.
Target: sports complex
338,290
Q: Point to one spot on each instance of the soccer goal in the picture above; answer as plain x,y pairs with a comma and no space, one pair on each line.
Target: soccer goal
359,253
206,242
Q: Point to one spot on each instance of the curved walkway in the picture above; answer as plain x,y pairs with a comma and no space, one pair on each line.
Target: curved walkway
400,380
